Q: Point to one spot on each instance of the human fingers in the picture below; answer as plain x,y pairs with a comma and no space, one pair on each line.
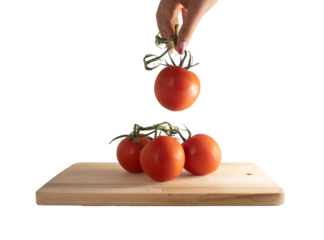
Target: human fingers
158,18
166,17
184,14
159,24
193,14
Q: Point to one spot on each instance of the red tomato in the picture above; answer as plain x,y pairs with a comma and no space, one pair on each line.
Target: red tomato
176,88
163,158
203,155
128,155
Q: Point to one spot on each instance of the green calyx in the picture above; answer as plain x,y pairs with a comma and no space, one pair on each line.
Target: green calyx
158,60
157,130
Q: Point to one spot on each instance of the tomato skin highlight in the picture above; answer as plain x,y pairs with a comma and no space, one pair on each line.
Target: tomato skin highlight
128,155
203,155
163,158
176,88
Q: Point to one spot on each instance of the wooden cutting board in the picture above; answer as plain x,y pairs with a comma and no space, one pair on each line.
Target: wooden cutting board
105,184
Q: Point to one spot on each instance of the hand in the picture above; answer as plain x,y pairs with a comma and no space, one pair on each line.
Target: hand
192,12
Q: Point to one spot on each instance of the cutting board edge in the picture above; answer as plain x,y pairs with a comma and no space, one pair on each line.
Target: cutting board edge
157,199
274,199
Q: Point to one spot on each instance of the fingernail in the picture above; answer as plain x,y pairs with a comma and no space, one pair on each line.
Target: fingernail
181,47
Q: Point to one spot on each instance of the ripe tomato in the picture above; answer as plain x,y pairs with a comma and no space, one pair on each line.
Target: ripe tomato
176,88
203,155
128,155
163,158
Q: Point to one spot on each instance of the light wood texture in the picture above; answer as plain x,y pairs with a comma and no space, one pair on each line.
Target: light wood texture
105,184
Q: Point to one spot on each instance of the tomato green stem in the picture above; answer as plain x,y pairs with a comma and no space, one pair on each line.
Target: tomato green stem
176,130
172,60
157,130
159,40
135,131
189,58
193,66
146,135
147,128
161,55
184,58
176,27
114,139
186,129
167,40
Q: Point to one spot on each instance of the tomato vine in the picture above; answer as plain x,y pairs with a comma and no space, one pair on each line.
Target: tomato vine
158,129
172,42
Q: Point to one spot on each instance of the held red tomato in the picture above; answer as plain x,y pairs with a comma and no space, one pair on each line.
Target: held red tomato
176,88
128,155
203,155
163,158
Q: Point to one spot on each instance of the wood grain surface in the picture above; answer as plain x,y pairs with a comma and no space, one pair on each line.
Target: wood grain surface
106,184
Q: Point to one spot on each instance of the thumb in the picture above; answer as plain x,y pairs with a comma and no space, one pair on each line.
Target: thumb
187,29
